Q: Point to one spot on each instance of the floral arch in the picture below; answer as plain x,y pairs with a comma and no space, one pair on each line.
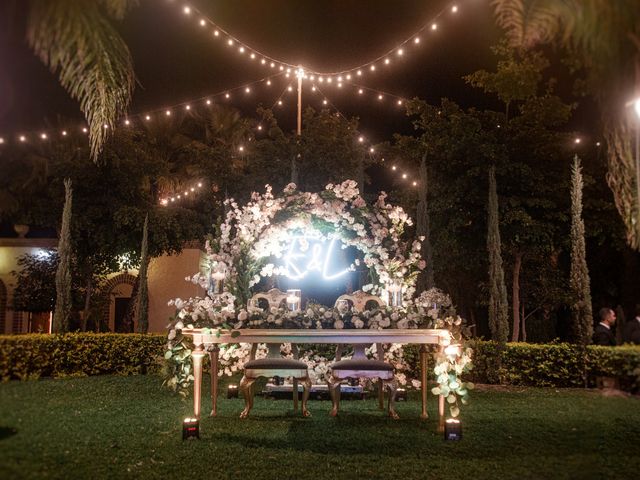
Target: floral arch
260,230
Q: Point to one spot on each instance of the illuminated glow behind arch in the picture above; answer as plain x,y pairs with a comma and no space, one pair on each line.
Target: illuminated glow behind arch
306,254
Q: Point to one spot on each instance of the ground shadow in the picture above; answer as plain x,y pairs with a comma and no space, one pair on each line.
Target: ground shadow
6,432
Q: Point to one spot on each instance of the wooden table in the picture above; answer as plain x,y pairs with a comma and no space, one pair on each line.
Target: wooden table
210,341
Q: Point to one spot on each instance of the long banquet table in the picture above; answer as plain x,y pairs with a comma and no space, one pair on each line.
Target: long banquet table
204,340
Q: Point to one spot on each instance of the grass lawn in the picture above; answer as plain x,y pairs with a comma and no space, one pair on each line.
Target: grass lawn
128,427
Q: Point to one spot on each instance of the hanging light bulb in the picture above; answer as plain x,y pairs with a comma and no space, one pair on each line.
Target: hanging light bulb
241,49
64,133
168,112
360,91
186,10
434,26
247,90
268,82
202,22
216,33
147,117
359,73
43,136
416,40
400,52
454,9
230,42
372,68
387,61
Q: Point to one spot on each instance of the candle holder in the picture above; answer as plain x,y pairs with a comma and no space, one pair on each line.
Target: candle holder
217,281
294,299
395,293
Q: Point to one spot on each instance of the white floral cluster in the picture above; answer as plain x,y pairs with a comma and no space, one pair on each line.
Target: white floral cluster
262,228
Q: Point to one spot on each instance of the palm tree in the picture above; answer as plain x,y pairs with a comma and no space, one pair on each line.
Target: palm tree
603,36
80,45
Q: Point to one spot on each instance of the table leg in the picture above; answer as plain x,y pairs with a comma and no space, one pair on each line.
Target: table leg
441,407
423,380
197,355
295,394
213,356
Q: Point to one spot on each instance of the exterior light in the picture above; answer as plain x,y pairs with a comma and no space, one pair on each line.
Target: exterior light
190,428
452,429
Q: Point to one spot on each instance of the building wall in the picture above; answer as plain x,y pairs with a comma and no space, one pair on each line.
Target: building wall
166,281
10,250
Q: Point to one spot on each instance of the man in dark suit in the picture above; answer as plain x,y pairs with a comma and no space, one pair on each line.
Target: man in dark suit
602,334
632,328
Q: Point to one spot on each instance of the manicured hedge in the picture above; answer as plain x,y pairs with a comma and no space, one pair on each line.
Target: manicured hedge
35,355
554,365
538,365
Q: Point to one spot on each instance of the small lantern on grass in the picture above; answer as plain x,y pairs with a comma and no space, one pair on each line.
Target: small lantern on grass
453,429
232,391
190,428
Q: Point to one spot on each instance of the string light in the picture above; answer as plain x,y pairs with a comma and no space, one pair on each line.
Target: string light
281,64
166,112
172,198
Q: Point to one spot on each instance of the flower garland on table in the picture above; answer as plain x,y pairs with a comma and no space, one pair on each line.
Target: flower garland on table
420,313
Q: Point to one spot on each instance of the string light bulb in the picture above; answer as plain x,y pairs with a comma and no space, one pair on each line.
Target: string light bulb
187,10
416,40
216,33
454,9
23,138
434,26
400,52
203,22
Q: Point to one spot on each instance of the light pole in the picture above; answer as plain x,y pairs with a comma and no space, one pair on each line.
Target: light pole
636,107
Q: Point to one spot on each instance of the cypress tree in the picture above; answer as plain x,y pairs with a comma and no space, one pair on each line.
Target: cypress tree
425,280
62,312
581,311
498,306
142,298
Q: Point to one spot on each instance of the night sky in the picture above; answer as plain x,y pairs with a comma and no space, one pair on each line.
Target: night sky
176,60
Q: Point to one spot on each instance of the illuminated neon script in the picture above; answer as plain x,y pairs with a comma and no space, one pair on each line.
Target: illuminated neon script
306,254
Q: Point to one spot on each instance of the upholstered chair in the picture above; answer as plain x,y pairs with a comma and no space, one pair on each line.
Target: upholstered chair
359,366
274,365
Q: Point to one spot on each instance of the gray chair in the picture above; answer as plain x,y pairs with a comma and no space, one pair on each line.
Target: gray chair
274,365
359,366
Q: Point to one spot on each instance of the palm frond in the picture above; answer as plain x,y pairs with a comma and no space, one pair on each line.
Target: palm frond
528,22
77,42
118,8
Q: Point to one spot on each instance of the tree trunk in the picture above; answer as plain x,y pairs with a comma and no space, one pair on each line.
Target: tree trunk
517,264
87,302
524,323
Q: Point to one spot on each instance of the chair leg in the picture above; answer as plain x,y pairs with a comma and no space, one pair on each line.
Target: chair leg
306,391
334,392
245,388
392,385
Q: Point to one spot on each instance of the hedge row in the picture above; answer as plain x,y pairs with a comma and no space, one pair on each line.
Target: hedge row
34,355
546,365
554,365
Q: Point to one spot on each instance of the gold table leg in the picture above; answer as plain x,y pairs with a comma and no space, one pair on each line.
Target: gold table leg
197,355
423,381
213,356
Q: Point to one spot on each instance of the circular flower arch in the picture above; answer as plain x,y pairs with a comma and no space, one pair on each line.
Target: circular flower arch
261,229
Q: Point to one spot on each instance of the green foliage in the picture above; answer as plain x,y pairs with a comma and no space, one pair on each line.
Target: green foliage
35,289
34,355
498,303
581,310
62,312
77,41
553,365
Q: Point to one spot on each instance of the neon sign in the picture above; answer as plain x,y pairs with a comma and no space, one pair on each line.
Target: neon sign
307,254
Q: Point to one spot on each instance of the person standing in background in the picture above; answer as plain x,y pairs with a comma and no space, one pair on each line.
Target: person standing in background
632,328
602,334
